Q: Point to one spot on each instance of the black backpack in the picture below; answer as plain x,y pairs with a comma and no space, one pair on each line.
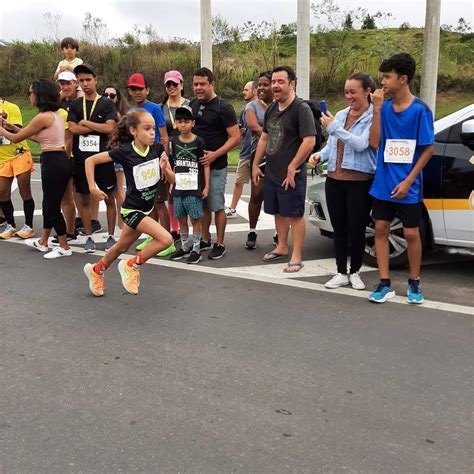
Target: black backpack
316,111
319,137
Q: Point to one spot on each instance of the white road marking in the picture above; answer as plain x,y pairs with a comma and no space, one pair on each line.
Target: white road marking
312,268
245,273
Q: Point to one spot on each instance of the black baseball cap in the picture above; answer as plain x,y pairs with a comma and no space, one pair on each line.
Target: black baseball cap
184,112
84,68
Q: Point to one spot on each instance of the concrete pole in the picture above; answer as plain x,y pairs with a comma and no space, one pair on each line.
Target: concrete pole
206,34
302,49
429,75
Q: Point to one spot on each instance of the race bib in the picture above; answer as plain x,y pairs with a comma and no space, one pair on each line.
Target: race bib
146,174
89,143
399,151
186,181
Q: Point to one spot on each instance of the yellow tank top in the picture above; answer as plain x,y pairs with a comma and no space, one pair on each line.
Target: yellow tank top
9,150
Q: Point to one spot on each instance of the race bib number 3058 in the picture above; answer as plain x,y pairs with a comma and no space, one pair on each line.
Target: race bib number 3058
146,174
399,151
89,143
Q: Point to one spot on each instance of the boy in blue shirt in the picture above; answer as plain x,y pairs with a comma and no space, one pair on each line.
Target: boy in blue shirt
402,130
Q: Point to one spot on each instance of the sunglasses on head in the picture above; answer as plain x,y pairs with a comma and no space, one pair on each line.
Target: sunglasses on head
110,95
171,84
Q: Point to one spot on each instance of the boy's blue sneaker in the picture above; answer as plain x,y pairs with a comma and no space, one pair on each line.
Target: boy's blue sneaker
414,292
382,293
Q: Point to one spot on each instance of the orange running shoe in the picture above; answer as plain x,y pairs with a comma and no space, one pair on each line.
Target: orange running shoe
26,232
130,277
8,233
96,281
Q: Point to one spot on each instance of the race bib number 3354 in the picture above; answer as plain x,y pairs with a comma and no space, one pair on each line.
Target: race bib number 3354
146,174
399,151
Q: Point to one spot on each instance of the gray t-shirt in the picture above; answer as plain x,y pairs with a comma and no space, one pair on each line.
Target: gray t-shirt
286,130
259,110
246,141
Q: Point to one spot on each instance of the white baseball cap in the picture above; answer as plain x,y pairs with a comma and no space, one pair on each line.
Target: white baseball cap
67,76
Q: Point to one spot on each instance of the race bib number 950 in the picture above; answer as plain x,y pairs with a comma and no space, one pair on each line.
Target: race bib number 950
89,143
399,151
146,174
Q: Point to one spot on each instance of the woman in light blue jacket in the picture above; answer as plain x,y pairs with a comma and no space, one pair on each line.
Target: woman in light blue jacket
351,167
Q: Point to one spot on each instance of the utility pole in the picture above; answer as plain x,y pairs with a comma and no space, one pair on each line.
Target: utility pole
206,34
302,49
429,75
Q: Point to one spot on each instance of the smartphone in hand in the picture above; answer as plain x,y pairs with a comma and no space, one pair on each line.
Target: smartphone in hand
323,106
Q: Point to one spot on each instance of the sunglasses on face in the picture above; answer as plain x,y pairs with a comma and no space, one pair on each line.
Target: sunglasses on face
171,84
29,93
110,95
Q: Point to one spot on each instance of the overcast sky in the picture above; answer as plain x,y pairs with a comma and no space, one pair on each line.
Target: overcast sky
24,19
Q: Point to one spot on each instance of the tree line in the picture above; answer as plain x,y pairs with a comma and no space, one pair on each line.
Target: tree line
345,41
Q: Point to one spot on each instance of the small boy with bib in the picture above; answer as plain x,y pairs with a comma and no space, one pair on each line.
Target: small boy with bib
191,184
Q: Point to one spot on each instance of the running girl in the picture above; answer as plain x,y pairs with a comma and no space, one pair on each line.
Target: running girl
133,146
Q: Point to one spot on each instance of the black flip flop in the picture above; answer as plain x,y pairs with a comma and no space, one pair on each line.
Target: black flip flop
274,256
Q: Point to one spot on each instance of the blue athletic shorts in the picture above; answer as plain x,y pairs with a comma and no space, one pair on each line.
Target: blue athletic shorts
188,206
288,203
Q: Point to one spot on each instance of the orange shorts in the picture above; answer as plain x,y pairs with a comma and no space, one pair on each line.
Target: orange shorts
20,164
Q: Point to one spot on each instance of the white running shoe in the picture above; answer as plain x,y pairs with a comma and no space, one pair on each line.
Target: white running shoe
337,280
230,213
57,252
8,233
356,281
36,245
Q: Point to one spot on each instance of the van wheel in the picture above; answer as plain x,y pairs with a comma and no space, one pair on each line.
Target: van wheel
397,244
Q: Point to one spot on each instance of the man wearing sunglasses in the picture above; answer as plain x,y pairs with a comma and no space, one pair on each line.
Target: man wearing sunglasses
216,124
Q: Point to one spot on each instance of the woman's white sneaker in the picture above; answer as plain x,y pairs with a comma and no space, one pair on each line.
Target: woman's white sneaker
356,281
57,252
337,280
36,245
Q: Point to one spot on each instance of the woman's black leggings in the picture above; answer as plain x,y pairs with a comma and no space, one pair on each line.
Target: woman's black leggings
349,205
56,170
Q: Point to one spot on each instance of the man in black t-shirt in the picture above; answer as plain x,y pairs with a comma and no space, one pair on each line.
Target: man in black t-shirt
91,119
216,124
287,139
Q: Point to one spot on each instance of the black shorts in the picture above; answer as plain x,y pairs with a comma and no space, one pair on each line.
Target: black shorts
161,191
104,177
133,218
409,214
289,203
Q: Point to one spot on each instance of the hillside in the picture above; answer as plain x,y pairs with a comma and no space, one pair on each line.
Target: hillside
334,55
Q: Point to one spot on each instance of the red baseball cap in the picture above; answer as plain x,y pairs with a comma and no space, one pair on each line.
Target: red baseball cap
136,80
173,76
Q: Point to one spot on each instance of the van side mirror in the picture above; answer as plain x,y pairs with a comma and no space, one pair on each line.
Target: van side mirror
467,133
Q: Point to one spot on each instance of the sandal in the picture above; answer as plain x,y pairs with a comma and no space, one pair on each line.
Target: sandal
271,256
293,267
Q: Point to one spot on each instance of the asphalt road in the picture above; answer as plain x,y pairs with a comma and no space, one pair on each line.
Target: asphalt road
230,367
